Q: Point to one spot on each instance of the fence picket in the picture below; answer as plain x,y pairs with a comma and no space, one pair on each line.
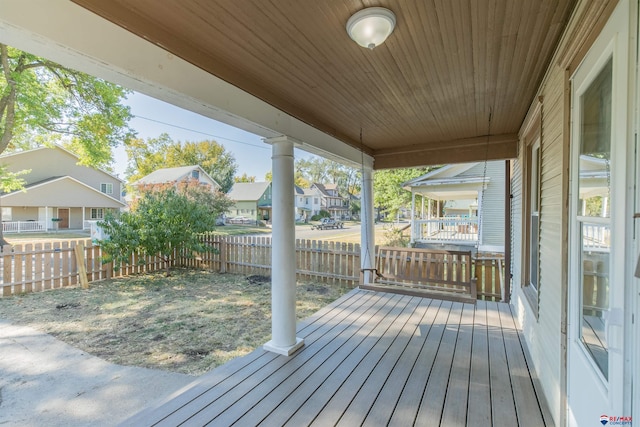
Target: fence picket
18,263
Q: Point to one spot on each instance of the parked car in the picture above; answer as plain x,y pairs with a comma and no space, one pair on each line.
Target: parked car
327,223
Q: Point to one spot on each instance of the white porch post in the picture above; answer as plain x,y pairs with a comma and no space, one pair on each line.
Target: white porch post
283,268
46,218
367,232
480,218
413,217
422,210
83,216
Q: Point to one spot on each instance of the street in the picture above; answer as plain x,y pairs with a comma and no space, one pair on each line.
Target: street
349,234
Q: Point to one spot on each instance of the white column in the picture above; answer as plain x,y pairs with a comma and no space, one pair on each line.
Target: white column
480,218
46,218
83,216
422,210
283,268
367,232
413,217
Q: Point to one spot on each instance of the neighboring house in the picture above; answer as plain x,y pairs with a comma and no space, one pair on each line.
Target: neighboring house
331,201
307,203
252,200
57,188
173,176
457,209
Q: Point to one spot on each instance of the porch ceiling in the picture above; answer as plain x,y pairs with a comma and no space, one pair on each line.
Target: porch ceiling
423,97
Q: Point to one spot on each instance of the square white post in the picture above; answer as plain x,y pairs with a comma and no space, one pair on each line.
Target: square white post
283,264
413,217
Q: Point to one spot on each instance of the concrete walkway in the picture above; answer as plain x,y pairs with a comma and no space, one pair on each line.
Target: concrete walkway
45,382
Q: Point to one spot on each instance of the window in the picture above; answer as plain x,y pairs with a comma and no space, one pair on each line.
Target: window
534,215
106,188
306,201
315,200
532,171
6,214
97,213
592,217
195,174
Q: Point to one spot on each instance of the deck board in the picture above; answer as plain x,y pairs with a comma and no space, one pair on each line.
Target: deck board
434,395
409,401
502,403
388,396
479,402
290,384
373,358
526,402
457,392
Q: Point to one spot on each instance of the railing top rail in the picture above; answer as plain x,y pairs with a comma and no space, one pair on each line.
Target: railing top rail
420,250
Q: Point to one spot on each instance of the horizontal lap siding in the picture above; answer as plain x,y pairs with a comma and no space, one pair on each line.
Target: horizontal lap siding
493,206
516,221
543,333
550,309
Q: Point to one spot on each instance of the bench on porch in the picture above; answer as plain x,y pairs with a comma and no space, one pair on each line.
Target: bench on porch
424,272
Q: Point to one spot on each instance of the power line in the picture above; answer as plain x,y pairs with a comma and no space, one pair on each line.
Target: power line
202,133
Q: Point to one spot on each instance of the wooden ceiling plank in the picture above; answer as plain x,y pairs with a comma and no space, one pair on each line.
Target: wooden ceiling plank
437,77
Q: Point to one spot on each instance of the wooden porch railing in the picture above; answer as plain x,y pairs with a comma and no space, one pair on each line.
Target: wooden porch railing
445,230
23,226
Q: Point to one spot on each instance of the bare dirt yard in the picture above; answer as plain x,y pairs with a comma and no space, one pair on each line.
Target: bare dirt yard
189,322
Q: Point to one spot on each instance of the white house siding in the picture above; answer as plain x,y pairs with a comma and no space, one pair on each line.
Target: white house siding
543,332
493,202
516,219
493,206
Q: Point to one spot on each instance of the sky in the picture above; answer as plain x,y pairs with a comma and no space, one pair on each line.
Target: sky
153,117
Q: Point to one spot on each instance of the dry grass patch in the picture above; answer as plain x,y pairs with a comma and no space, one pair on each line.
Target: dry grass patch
190,322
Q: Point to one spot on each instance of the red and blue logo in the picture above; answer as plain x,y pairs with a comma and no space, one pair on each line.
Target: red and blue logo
616,421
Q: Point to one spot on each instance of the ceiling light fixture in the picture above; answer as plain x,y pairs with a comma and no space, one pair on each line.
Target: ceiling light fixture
370,27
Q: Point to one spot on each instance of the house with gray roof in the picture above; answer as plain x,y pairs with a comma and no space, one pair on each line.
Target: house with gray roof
307,203
176,175
331,200
59,193
252,200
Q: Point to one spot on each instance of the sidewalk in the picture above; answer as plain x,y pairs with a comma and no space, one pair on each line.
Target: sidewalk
44,381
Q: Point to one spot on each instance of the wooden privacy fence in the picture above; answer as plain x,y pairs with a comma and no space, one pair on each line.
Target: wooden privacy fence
317,260
42,266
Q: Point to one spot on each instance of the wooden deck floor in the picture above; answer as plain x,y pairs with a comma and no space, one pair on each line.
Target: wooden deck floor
374,359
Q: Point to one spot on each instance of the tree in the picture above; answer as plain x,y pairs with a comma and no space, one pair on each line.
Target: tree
298,179
161,222
387,188
245,178
316,169
163,152
9,181
43,101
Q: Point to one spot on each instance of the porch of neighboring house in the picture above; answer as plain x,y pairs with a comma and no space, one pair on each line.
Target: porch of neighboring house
459,206
374,358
